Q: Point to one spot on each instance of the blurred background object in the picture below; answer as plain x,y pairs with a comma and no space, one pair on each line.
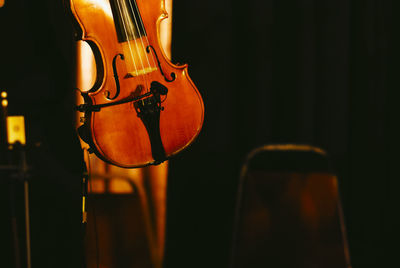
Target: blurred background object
289,212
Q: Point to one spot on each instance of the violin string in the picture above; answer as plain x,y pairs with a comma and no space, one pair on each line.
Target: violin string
145,74
143,30
132,30
130,27
126,20
126,34
147,40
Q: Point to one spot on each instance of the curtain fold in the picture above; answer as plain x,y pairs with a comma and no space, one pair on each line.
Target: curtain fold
317,72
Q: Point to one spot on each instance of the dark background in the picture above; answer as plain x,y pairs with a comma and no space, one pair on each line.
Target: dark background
36,61
318,72
323,73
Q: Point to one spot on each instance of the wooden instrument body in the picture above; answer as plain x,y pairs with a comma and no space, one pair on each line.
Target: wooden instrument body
116,133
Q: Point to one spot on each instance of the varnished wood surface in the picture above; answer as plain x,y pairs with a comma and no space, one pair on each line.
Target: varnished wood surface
118,135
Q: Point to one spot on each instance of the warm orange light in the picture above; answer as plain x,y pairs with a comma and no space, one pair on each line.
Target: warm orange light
318,199
138,61
110,179
16,129
111,185
1,3
4,94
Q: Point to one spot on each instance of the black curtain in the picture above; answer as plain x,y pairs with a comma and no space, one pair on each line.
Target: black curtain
36,63
310,71
316,72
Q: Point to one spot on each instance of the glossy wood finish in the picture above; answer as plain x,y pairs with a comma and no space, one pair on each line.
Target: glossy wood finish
117,134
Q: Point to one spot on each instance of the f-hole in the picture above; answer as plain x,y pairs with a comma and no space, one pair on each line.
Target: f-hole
115,72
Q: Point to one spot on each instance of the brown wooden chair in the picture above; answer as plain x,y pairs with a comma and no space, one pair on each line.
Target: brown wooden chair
288,211
117,231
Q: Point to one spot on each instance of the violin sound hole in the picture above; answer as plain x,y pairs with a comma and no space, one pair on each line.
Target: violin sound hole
159,65
115,71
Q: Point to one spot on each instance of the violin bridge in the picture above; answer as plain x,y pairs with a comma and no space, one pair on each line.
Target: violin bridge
138,61
141,72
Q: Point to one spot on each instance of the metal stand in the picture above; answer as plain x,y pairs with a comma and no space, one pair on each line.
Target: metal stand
19,173
14,165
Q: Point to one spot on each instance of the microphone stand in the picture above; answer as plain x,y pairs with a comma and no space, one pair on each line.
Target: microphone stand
13,163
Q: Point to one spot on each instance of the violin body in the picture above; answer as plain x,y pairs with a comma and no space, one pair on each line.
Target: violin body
142,108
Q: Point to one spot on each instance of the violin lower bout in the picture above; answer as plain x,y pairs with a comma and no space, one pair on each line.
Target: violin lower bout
149,130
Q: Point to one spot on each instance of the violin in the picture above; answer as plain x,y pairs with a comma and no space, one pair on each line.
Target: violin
142,109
